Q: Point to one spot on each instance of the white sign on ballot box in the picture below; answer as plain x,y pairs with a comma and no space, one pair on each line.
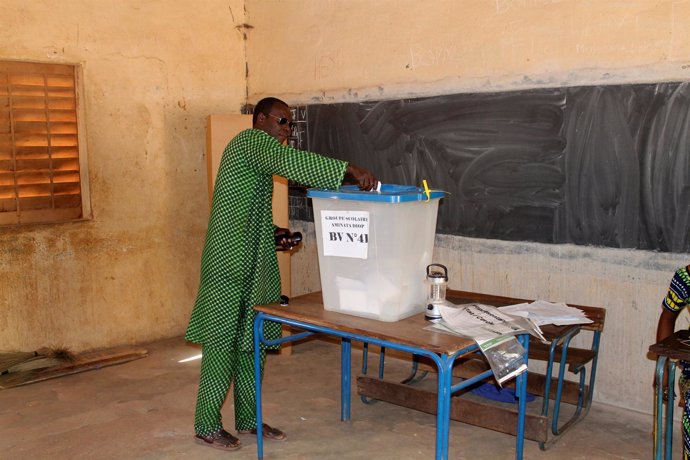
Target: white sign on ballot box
345,233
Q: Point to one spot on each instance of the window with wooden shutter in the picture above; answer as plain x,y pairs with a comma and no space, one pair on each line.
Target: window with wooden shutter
42,161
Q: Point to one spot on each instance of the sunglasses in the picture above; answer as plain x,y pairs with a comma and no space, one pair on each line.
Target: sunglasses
282,120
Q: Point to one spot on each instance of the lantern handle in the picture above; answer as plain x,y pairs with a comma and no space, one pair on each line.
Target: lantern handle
445,270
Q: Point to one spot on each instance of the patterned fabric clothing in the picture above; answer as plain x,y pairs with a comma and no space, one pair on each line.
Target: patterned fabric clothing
219,368
677,298
678,295
239,267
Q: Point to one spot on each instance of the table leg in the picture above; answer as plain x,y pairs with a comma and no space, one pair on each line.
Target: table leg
258,328
445,368
659,433
669,409
345,378
521,390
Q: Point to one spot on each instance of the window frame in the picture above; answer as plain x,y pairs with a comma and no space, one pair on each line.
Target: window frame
45,214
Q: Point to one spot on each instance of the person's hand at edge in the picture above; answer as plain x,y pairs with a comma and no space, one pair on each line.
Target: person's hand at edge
665,328
364,178
283,238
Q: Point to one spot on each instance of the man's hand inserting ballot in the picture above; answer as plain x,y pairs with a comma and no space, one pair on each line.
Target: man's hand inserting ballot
364,178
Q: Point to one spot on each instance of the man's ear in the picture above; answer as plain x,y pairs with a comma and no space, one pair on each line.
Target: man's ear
260,119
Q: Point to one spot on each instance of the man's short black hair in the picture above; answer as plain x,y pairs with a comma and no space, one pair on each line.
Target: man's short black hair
265,105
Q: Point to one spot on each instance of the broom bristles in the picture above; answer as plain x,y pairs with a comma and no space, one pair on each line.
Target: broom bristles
26,366
10,359
34,364
62,354
16,379
39,359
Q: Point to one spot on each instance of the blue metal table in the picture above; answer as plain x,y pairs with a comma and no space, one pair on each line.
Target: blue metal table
675,347
408,335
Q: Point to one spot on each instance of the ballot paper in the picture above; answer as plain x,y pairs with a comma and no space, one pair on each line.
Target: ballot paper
494,328
484,322
494,332
542,312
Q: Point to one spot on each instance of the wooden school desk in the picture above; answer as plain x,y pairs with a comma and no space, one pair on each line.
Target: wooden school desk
673,348
407,335
558,354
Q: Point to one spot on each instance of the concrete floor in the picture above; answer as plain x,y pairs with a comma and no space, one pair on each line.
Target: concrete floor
144,409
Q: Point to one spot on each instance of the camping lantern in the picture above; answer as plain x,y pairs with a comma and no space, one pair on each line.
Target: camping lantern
437,280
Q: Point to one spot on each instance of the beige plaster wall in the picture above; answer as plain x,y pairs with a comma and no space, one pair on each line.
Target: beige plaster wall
153,71
327,50
322,51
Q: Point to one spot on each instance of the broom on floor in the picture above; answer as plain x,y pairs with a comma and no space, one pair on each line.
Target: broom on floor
17,368
9,359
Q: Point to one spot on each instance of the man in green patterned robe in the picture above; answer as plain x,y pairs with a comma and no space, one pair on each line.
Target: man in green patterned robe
239,267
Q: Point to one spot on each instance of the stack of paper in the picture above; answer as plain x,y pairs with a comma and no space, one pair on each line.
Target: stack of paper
542,312
483,322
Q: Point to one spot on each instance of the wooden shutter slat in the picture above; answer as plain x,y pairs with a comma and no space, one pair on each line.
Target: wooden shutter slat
30,127
7,204
29,202
68,182
29,153
24,103
65,165
66,103
32,165
6,180
65,152
63,128
67,189
38,179
26,91
30,140
7,191
36,140
27,115
64,140
5,141
27,79
43,128
64,81
34,190
63,115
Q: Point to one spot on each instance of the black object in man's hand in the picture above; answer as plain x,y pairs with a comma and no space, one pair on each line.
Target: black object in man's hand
286,240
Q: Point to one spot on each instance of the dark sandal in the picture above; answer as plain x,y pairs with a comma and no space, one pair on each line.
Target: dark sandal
268,432
219,440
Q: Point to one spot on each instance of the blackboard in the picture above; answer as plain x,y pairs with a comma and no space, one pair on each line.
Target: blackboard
589,165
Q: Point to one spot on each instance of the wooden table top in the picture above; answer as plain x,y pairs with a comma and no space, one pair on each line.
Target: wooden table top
675,346
411,331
